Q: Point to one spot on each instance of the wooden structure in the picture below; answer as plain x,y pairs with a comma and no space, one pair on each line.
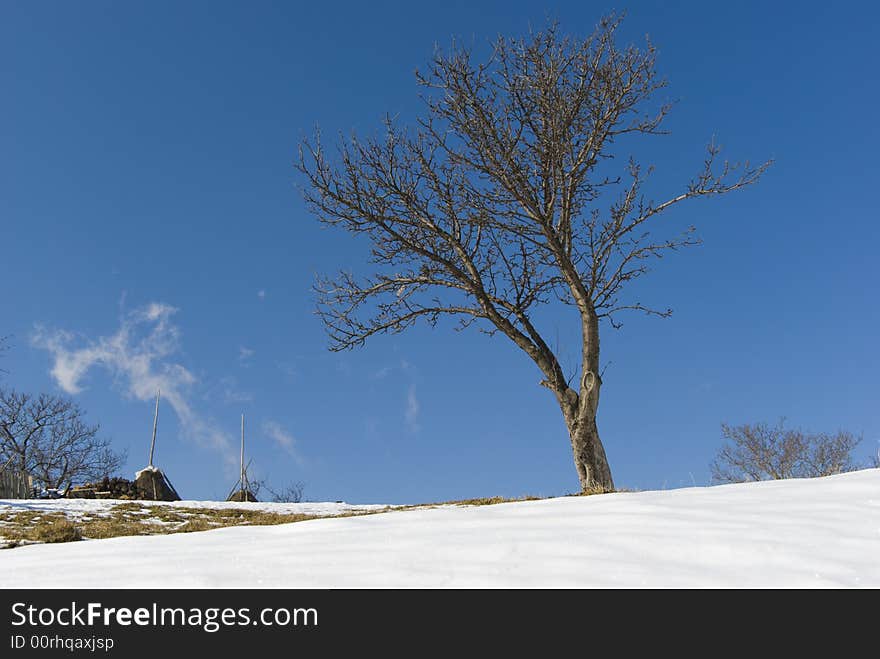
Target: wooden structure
150,482
14,483
241,491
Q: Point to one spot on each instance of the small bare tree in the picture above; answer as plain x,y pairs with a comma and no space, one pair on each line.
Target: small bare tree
490,209
290,493
48,437
761,452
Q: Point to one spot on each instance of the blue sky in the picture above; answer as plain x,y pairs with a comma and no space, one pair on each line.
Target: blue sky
152,232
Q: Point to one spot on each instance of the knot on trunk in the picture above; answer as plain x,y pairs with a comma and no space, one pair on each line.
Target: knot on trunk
590,380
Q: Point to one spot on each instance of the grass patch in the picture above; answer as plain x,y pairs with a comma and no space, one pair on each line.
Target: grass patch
192,525
479,501
135,519
61,530
595,490
490,501
130,519
36,526
130,508
100,528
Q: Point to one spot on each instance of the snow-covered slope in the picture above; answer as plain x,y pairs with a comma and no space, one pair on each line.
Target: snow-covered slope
803,533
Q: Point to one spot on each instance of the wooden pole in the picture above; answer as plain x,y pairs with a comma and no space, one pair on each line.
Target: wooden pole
242,459
155,423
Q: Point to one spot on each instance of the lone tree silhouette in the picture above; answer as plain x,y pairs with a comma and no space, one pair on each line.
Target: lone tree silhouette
489,208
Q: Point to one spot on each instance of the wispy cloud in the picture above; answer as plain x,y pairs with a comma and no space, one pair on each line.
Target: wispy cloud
285,440
412,409
382,373
385,371
228,391
140,358
244,355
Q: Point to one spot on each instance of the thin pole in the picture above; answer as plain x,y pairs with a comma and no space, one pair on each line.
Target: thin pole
242,454
155,423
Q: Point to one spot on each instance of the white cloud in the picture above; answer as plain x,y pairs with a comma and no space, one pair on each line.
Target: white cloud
244,355
282,438
139,357
412,409
261,294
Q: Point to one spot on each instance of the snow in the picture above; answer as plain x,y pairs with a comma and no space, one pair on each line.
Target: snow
798,533
148,469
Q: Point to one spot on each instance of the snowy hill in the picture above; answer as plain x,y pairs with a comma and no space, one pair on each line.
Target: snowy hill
798,533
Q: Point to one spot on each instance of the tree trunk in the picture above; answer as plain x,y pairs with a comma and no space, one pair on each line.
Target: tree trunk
579,410
592,467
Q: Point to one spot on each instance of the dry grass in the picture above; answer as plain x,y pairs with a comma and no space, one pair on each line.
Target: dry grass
57,531
490,501
127,519
35,526
479,501
595,490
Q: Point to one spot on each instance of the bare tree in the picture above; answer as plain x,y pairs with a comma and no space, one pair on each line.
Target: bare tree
48,437
761,452
291,493
493,206
255,486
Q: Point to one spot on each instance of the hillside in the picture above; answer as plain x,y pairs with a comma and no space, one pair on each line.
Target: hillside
801,533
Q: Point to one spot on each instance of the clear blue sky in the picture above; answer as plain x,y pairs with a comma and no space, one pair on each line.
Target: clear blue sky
146,156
